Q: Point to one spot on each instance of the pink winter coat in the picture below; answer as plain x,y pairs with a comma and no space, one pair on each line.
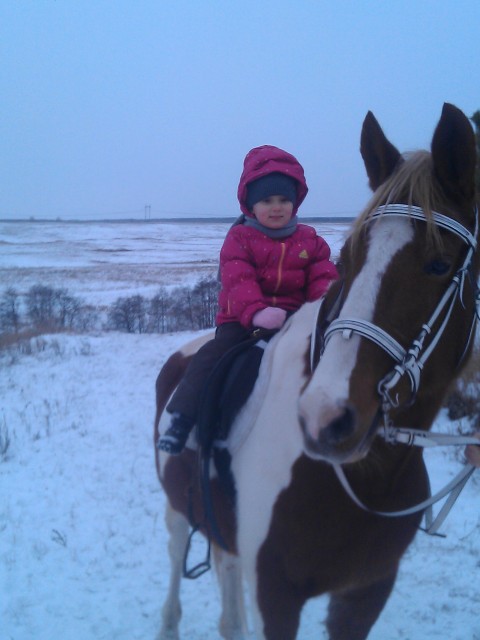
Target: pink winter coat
258,271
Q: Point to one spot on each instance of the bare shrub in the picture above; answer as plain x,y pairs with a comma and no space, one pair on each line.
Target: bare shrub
50,308
194,308
463,401
158,311
40,305
59,537
181,312
5,440
10,310
129,314
204,302
85,348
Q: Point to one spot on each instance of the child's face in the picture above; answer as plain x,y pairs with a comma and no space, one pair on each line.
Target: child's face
273,212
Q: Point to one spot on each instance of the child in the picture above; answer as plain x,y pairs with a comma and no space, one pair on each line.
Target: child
269,266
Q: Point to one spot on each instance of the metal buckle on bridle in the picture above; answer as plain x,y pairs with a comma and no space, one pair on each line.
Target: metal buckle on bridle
410,366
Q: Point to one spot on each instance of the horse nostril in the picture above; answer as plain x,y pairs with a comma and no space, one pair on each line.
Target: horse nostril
341,427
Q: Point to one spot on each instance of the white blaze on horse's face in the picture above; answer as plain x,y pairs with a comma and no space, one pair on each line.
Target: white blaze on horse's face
326,399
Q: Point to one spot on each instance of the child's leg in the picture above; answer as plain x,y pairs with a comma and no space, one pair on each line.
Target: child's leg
186,399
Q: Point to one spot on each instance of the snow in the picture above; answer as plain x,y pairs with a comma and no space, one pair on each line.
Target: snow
102,261
83,547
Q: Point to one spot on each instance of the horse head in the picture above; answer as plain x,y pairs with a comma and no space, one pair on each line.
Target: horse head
404,307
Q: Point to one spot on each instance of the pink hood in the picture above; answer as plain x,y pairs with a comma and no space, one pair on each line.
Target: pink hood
261,161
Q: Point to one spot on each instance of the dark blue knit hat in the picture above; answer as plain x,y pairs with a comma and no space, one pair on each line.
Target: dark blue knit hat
273,184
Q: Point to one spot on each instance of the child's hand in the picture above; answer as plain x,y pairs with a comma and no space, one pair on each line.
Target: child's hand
270,318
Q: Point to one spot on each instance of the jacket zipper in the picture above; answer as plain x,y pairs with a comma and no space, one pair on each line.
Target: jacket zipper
280,267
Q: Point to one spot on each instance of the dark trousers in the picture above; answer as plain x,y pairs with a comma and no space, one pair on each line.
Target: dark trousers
186,399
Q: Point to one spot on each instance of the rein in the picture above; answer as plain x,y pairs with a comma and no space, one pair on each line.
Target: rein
410,363
452,489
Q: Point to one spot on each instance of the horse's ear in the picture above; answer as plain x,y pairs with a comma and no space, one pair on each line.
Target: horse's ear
379,155
454,154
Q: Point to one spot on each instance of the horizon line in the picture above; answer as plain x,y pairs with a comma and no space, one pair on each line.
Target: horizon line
226,219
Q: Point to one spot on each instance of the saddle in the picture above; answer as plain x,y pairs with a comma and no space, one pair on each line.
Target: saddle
228,387
226,390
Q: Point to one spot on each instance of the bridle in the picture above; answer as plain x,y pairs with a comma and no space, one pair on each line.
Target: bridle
409,363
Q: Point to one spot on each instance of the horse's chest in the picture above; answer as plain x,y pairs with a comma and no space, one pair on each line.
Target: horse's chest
319,539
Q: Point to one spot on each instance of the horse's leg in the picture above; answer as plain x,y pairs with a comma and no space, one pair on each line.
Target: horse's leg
352,614
232,625
177,526
276,603
279,607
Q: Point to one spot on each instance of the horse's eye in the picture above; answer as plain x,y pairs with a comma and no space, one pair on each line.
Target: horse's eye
437,267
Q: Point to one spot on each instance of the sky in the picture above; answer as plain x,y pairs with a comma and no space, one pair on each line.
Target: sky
116,109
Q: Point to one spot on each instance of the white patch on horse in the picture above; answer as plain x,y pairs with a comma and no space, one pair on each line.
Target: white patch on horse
233,620
326,395
263,463
178,527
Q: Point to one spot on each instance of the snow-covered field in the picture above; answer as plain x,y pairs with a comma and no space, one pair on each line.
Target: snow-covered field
82,540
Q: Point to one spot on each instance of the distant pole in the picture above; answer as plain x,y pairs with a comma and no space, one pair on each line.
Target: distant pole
148,210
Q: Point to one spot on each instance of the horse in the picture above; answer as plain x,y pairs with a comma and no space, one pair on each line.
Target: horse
322,457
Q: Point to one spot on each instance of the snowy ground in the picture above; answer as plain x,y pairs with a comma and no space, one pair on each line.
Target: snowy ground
82,539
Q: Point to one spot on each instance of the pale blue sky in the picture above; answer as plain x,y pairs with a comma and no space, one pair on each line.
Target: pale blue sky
109,105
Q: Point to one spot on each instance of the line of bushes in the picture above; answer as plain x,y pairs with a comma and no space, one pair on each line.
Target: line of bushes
44,308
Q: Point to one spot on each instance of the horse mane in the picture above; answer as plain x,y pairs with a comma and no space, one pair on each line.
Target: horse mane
412,182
